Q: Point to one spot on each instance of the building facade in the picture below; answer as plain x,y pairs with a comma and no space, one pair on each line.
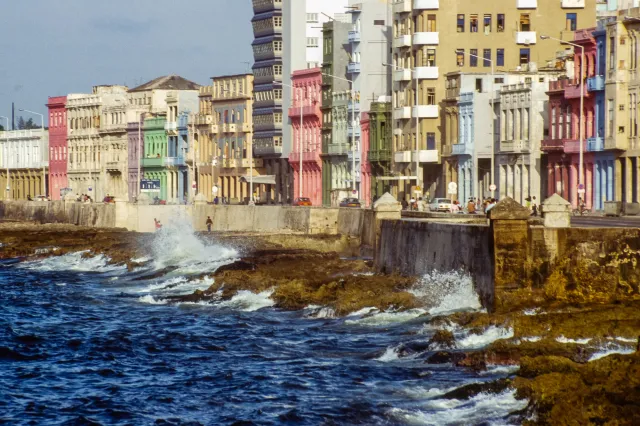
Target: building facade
57,146
306,120
24,163
225,141
380,128
432,40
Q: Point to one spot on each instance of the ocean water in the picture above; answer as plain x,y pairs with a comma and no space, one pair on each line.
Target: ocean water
85,342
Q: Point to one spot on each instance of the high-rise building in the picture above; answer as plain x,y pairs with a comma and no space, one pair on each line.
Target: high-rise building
433,38
57,146
286,38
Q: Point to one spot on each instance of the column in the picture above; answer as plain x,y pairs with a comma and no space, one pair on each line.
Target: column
509,191
517,187
551,183
628,179
503,181
588,196
611,181
564,183
461,184
526,190
637,179
573,186
597,198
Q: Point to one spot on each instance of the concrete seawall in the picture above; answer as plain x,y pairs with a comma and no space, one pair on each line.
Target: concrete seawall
81,214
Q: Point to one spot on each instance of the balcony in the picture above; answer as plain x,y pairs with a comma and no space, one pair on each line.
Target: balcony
559,85
338,148
203,120
461,149
595,84
114,166
266,5
572,91
401,113
572,4
426,4
380,155
526,37
595,144
247,127
307,111
425,111
153,162
401,6
527,4
214,128
351,132
402,75
353,67
426,38
426,156
229,128
357,154
427,73
354,36
402,156
267,150
573,146
355,106
307,157
171,127
552,145
514,146
402,41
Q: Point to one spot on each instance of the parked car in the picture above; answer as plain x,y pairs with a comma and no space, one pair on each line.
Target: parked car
350,202
440,205
302,201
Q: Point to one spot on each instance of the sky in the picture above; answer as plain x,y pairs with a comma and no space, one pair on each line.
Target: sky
56,47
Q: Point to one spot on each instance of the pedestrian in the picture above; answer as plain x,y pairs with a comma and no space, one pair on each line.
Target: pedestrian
157,223
413,203
404,204
420,205
471,207
216,200
492,204
209,223
527,202
534,207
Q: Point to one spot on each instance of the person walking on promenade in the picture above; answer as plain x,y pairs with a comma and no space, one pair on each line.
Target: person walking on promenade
404,204
209,223
534,207
471,206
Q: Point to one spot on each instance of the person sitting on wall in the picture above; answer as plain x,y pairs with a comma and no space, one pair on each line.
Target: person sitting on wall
29,198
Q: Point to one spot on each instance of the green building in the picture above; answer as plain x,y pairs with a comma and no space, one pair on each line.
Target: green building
155,153
380,140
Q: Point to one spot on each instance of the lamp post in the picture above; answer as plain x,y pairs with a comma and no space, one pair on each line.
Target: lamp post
353,131
299,89
417,163
44,187
581,86
8,188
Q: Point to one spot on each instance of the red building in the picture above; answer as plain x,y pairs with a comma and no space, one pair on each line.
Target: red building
365,166
307,137
562,146
57,145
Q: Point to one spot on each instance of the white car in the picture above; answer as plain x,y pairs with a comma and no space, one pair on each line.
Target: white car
440,205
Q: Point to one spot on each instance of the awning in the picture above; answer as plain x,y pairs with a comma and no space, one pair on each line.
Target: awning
260,180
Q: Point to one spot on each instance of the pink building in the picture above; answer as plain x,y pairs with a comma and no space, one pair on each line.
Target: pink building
365,167
57,145
307,99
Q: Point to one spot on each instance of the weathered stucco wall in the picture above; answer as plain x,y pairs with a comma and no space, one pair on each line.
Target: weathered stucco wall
98,215
417,248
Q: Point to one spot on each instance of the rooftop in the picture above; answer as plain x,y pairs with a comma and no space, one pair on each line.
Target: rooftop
168,82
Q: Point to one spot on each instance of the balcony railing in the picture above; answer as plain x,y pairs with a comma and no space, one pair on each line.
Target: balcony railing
354,36
402,41
357,154
307,111
353,67
553,144
526,37
573,146
430,38
153,162
426,4
595,144
338,148
174,161
114,166
559,85
595,83
426,156
427,73
569,4
351,131
572,91
402,112
461,149
402,75
514,146
267,150
527,4
380,155
401,6
307,157
171,126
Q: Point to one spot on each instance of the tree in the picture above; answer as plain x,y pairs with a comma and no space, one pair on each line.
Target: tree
1,128
31,125
21,123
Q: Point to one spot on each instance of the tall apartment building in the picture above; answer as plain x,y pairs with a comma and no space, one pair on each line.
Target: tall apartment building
379,153
57,146
286,38
23,163
87,163
432,40
224,140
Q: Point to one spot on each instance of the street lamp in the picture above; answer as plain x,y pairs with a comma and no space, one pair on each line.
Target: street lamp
415,75
6,129
582,77
44,188
299,89
353,129
493,135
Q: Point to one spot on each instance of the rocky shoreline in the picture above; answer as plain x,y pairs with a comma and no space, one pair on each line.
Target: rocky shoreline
560,346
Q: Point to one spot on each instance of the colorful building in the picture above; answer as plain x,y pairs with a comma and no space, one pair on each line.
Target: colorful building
57,146
307,136
135,152
377,133
155,154
24,160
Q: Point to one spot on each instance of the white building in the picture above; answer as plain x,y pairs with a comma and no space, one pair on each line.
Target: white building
24,157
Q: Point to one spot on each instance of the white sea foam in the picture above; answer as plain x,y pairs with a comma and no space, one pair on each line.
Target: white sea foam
490,335
73,262
390,354
500,369
483,408
530,312
363,312
247,301
623,339
386,318
422,393
532,339
610,350
447,292
149,299
562,339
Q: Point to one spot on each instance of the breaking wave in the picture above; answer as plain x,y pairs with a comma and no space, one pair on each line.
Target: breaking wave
610,350
447,292
386,318
247,301
73,262
490,335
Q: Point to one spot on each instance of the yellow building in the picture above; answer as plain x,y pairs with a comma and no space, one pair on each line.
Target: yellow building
433,38
24,157
224,138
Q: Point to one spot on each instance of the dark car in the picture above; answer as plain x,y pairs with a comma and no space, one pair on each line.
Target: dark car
350,202
302,201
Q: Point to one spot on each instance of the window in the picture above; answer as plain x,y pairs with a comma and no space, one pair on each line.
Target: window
610,116
277,46
460,21
312,41
500,23
572,21
431,141
487,23
479,85
312,18
553,122
378,22
431,24
473,23
277,70
569,130
277,21
612,52
431,57
525,23
525,55
277,93
460,57
431,96
473,57
486,55
277,117
500,57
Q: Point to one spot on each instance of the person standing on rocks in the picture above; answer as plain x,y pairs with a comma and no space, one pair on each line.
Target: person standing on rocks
209,223
158,224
